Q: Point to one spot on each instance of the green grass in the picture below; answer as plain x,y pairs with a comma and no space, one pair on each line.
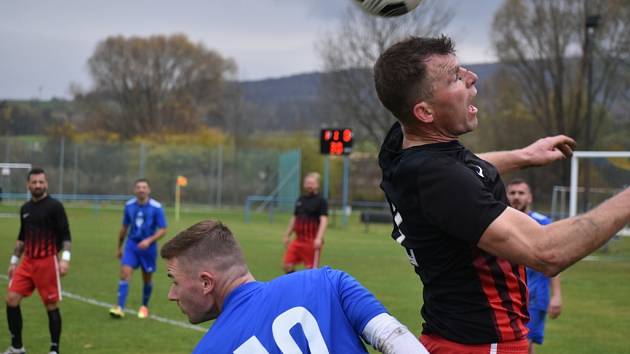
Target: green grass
596,316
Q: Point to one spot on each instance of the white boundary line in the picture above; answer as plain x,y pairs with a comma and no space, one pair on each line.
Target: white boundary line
106,305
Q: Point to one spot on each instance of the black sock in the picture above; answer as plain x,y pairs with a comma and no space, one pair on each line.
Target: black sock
14,317
54,325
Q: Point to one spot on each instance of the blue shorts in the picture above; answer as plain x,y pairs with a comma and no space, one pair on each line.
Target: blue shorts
135,257
536,326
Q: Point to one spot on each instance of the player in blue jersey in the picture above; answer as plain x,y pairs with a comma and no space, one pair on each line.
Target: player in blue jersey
520,197
143,223
313,311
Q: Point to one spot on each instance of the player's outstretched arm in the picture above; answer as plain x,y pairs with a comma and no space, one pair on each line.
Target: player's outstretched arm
389,336
554,247
542,152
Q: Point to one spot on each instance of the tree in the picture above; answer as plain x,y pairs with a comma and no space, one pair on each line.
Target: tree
155,84
543,47
349,54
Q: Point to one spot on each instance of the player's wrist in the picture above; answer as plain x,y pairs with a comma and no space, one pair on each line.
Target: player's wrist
14,259
65,256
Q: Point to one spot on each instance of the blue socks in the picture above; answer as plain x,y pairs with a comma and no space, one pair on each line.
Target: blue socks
146,293
123,290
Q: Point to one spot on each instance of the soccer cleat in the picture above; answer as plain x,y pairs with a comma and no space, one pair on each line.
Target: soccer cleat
143,312
116,312
12,350
53,352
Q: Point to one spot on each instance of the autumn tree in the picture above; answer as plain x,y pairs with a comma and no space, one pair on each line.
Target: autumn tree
542,46
349,54
154,84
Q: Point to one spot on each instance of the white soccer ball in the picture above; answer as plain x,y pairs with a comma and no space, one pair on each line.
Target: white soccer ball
388,8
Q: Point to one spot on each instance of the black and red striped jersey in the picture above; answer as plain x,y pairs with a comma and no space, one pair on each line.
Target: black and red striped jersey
43,227
442,199
308,209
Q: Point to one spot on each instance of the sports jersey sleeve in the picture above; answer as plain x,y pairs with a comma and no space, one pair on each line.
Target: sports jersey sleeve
160,218
21,233
62,227
359,305
323,209
458,202
126,216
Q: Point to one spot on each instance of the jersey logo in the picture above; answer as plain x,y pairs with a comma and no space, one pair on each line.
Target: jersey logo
25,215
479,171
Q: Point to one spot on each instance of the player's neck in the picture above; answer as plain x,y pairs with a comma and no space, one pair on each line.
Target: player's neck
417,137
143,201
232,284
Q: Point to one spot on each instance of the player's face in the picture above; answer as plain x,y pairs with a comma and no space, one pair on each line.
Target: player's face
142,190
190,294
453,93
311,185
37,185
519,196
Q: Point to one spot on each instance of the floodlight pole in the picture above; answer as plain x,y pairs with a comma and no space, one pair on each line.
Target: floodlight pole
590,25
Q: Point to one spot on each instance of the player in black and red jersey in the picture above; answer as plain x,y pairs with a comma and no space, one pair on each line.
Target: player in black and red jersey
44,232
309,222
450,209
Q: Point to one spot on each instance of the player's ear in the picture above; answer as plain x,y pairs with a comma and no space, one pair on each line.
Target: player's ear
423,112
207,282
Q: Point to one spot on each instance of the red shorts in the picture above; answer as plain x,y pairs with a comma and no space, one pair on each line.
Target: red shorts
300,252
40,273
438,345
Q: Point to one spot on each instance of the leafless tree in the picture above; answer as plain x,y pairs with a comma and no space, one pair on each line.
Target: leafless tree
349,53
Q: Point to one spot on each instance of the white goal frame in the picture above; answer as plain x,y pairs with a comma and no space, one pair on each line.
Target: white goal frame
12,165
575,169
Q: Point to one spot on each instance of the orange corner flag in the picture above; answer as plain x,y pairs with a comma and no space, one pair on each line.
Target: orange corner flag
182,181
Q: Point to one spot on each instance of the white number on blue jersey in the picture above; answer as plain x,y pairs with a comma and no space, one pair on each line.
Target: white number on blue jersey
280,329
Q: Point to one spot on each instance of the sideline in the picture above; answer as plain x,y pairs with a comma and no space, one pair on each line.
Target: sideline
98,303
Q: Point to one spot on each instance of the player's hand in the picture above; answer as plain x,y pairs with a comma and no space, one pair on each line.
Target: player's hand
318,243
64,267
144,244
555,307
547,150
11,270
119,253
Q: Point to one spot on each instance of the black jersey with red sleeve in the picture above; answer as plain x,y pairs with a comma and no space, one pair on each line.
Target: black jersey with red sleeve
442,199
308,210
43,227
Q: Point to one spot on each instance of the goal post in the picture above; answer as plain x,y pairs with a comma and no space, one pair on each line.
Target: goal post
5,169
575,172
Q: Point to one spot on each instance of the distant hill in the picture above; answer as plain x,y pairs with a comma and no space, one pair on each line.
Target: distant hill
292,102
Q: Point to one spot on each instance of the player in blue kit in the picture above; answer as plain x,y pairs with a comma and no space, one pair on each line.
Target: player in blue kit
540,303
314,311
144,223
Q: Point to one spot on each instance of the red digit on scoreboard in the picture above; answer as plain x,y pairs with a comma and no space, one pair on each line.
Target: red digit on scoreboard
347,135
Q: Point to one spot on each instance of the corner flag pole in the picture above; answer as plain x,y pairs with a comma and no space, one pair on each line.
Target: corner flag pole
181,182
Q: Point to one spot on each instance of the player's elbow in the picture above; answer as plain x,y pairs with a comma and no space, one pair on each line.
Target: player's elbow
548,261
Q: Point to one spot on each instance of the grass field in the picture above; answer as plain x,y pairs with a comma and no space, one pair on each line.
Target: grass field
596,316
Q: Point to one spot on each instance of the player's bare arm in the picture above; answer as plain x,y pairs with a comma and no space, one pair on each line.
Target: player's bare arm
159,233
121,239
542,152
15,257
318,242
555,303
552,248
64,263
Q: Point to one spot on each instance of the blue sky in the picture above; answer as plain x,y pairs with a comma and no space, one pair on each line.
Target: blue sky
45,44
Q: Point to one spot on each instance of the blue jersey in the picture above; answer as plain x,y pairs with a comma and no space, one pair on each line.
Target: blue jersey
312,311
538,283
143,219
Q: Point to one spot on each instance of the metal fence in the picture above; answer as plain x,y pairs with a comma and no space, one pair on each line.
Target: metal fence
217,176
